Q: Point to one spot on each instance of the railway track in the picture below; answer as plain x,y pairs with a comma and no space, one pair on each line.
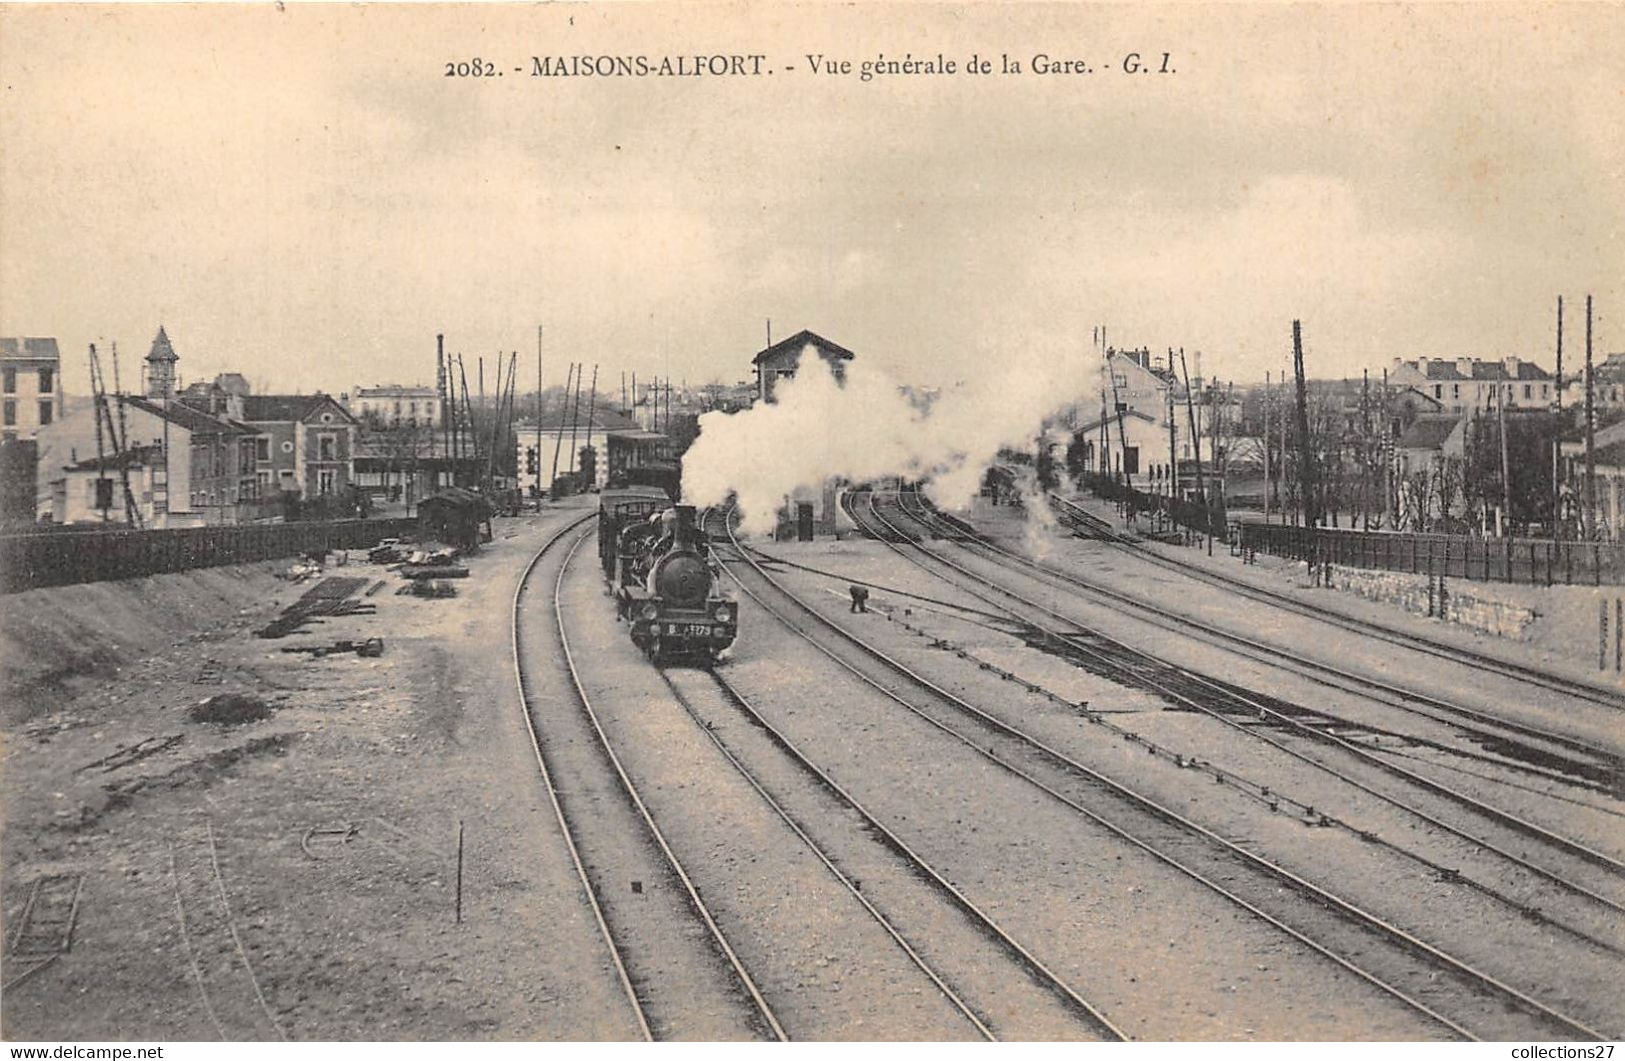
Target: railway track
606,821
1230,705
1573,759
1087,525
227,985
1353,938
684,689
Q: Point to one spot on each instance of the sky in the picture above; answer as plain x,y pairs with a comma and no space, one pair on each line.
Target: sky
303,196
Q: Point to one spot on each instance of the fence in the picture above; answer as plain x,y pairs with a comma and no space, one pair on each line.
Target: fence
36,560
1537,561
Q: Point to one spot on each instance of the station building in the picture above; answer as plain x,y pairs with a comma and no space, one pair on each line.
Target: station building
618,443
811,510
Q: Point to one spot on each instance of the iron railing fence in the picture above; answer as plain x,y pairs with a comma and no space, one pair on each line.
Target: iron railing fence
1535,561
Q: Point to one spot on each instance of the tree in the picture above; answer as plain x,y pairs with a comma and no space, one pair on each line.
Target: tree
1529,440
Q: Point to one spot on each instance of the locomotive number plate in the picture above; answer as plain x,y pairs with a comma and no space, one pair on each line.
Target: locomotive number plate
688,629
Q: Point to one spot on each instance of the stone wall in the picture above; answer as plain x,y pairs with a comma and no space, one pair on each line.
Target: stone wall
1444,599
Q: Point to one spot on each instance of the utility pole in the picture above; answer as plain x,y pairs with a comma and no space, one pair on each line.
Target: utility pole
575,418
592,407
132,511
1173,444
1122,440
1268,482
1591,438
538,418
558,439
1196,436
1506,478
98,401
1557,438
440,377
1306,484
1365,447
1280,470
1386,453
448,416
468,410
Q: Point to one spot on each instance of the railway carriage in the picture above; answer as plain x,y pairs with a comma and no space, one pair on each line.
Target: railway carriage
665,582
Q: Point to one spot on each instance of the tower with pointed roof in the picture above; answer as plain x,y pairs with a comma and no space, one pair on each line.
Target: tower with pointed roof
161,367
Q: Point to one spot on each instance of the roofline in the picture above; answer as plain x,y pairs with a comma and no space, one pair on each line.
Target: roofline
806,335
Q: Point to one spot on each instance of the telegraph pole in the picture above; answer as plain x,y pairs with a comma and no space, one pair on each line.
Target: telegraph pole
1268,395
440,388
1122,441
1173,443
1196,436
1557,439
559,438
575,418
1591,438
538,418
1306,474
592,408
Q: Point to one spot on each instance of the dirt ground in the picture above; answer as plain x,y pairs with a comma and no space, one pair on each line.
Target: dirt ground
289,871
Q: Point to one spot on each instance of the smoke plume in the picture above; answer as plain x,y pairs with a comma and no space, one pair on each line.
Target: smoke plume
867,429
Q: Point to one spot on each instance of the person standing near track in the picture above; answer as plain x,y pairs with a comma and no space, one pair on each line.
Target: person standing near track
860,599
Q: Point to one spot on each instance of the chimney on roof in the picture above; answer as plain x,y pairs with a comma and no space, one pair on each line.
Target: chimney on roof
1513,364
1464,365
1422,365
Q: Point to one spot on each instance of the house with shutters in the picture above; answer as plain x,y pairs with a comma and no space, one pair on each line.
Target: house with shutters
185,467
1128,428
305,443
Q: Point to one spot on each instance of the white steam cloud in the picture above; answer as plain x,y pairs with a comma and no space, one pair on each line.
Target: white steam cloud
867,429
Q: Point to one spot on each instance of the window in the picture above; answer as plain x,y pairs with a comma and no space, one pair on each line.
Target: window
327,448
11,381
1438,390
1528,390
46,411
1455,390
262,448
1131,460
324,481
11,414
47,380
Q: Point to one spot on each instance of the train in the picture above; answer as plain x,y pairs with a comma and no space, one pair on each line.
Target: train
665,582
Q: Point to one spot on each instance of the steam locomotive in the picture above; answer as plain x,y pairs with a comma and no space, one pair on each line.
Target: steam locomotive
660,570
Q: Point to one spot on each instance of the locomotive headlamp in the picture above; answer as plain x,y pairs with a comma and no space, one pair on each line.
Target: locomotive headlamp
651,611
724,613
